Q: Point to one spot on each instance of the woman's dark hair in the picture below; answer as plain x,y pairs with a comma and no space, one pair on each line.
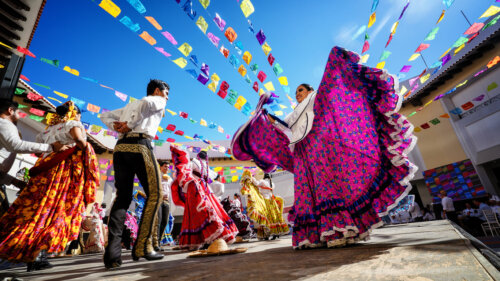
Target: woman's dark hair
203,155
237,195
156,83
268,177
64,108
307,86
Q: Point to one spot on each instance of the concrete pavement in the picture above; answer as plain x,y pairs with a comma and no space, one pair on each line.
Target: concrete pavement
418,251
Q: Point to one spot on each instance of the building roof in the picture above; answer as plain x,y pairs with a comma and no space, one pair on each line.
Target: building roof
473,50
163,152
45,105
18,22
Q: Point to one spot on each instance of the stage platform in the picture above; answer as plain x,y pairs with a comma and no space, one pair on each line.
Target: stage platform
418,251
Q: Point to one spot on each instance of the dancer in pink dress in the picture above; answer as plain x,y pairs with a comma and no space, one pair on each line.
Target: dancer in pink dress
348,151
204,219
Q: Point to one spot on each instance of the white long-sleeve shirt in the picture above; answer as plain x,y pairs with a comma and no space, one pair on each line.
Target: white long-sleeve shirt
447,203
142,116
11,144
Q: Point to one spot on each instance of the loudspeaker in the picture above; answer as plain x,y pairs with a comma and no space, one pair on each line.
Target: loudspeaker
10,75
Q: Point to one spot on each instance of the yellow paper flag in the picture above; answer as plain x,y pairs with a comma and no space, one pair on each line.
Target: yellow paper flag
54,99
373,18
242,70
215,77
148,38
266,48
234,178
394,27
414,57
217,169
188,137
247,57
203,122
380,65
444,54
441,16
427,103
72,71
283,106
185,49
278,113
492,10
261,92
181,62
417,129
212,86
459,49
171,112
425,78
160,129
247,8
61,94
364,58
269,86
154,22
403,90
283,80
240,102
205,3
202,24
110,7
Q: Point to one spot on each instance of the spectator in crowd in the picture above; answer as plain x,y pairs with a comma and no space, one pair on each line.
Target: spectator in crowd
428,215
481,206
415,212
448,207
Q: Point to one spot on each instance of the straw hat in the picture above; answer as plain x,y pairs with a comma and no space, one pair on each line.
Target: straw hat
240,239
218,247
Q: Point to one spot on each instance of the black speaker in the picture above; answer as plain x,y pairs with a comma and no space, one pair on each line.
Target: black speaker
9,76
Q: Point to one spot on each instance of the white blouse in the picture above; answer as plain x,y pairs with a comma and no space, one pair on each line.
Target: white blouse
300,121
61,133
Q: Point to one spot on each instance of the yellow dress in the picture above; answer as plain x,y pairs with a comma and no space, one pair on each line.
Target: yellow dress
263,208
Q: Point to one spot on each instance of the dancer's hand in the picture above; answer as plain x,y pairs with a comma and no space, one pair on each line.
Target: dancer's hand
271,119
121,127
57,146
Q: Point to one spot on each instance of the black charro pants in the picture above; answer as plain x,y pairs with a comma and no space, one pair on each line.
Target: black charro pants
133,156
163,217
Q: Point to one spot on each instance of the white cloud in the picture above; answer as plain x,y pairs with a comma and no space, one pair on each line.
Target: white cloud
343,37
379,27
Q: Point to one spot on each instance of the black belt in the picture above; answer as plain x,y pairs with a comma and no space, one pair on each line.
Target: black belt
136,136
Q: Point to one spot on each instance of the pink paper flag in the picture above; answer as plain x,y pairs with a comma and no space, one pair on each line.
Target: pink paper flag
169,37
366,46
405,68
161,50
422,47
413,80
474,28
121,96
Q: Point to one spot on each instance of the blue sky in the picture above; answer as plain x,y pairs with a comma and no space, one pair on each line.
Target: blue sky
301,33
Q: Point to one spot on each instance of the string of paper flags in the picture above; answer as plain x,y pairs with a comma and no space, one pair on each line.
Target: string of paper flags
233,98
458,46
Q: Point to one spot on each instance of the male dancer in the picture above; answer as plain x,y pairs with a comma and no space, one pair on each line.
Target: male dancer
164,210
133,155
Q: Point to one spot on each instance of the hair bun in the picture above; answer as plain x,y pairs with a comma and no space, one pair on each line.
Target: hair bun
62,109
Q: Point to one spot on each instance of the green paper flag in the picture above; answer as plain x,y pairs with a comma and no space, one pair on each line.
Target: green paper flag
37,118
432,34
411,114
19,91
492,86
460,41
435,121
22,106
492,22
367,36
43,86
52,62
385,55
